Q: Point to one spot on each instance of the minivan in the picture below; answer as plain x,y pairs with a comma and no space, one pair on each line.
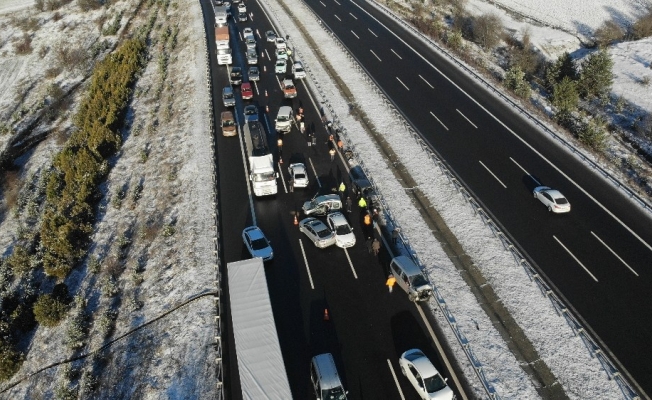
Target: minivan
410,278
284,119
227,96
325,379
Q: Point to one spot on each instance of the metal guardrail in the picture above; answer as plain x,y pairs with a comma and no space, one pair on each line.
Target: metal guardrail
218,277
561,309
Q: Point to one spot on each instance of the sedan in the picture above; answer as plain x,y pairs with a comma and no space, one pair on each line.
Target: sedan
246,91
251,113
280,43
553,199
271,36
256,243
280,67
281,54
254,74
423,376
344,236
242,8
242,17
299,175
247,32
317,232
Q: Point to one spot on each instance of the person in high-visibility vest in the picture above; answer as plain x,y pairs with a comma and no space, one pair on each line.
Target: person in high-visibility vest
390,282
367,219
362,203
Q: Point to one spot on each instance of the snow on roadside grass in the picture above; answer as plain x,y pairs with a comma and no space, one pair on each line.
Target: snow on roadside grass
173,357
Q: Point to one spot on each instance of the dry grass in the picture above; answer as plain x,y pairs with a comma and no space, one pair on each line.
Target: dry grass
23,45
11,185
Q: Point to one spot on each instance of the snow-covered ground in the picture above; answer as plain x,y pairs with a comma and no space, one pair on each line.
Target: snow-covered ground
173,358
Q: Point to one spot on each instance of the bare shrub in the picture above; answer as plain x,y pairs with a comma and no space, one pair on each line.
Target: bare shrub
608,33
27,24
644,127
23,45
53,72
71,58
87,5
487,30
11,185
40,5
643,26
56,16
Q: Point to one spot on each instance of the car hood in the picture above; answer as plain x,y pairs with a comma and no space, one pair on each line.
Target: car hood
444,394
347,240
265,253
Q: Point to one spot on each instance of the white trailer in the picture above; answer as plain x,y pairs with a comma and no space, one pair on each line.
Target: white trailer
260,361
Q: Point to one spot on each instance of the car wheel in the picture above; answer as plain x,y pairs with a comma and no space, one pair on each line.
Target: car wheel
535,194
549,208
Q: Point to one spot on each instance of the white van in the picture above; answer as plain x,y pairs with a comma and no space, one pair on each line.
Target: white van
410,278
284,119
325,379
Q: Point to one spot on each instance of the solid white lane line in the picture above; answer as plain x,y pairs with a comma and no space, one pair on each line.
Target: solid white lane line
338,3
353,16
466,118
575,258
640,239
314,171
396,54
338,18
357,37
350,263
405,86
372,52
614,253
526,173
391,368
427,83
492,174
442,124
246,169
372,32
440,350
280,168
305,260
322,3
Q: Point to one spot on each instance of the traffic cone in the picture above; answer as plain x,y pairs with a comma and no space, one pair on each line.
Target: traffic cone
296,221
326,316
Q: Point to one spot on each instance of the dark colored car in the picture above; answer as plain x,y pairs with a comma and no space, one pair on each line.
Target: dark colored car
236,76
360,185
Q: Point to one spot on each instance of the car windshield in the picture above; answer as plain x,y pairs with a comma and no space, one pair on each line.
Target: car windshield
228,95
282,118
418,280
280,63
298,69
334,394
259,244
228,122
289,86
343,230
434,383
264,177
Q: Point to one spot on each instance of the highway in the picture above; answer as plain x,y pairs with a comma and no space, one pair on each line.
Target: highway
368,328
598,257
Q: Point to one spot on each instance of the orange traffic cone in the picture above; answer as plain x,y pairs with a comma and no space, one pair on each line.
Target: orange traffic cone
326,317
296,221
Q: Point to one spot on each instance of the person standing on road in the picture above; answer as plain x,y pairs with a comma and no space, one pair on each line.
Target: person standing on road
390,282
342,189
291,184
362,203
332,153
375,246
395,234
349,204
279,143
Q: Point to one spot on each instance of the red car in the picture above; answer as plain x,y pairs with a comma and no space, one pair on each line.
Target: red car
247,93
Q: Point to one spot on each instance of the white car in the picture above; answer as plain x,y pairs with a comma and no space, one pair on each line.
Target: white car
424,376
247,32
298,71
281,54
242,8
256,243
344,236
553,199
280,67
299,175
271,36
317,232
280,43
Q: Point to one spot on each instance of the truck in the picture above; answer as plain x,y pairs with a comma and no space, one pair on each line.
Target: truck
222,45
261,160
221,15
260,361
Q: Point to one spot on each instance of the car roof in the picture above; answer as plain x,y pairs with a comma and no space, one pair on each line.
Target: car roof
288,82
556,194
285,110
227,115
327,370
227,89
298,166
254,232
246,85
325,197
338,218
425,367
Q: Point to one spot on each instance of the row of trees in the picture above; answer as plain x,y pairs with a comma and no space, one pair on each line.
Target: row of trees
71,195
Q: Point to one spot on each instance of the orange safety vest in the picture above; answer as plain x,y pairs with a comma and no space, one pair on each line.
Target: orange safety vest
367,219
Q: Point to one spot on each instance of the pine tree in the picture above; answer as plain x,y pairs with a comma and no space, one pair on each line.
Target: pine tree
565,96
596,77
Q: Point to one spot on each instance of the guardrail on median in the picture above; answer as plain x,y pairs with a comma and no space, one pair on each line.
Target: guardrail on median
218,277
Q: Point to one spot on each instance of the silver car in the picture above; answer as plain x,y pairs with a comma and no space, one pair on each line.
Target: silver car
256,243
254,74
321,205
344,236
317,232
299,175
252,56
553,199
